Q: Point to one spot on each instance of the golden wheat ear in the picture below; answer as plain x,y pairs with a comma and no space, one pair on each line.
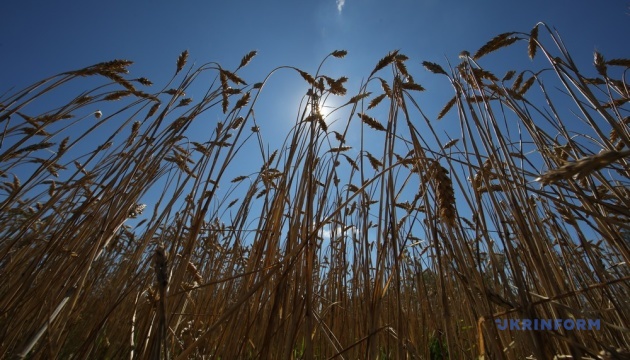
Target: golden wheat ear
444,193
583,167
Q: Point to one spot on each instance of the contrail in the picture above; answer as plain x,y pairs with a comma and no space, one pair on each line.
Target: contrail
340,4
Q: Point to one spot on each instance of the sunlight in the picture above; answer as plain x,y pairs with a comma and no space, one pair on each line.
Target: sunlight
327,109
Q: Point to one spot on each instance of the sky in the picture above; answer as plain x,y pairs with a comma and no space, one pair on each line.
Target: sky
41,38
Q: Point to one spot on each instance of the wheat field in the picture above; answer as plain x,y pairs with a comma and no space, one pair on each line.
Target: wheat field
126,234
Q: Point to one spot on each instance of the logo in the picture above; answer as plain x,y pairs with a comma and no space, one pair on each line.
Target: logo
547,324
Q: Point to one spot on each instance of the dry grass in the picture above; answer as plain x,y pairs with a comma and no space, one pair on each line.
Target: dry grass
426,240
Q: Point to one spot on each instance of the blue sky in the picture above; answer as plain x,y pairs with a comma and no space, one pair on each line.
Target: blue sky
43,38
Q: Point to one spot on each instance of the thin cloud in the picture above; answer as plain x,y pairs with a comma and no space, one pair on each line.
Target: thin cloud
340,4
328,232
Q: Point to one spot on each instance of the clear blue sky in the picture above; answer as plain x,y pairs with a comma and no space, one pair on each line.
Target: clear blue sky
39,38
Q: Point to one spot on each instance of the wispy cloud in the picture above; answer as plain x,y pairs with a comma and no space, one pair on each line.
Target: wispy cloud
340,4
328,232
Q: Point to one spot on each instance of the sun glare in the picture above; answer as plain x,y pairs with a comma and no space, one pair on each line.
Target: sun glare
327,110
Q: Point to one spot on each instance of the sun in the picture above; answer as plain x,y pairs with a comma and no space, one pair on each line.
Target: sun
308,104
325,110
328,111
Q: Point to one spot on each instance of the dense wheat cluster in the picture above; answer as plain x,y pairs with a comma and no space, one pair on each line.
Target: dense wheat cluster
125,235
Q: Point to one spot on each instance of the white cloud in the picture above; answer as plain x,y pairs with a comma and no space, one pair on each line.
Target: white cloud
327,232
340,4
